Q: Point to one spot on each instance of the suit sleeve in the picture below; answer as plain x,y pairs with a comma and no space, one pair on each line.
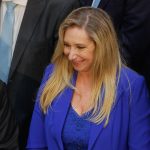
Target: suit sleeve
139,127
37,137
8,127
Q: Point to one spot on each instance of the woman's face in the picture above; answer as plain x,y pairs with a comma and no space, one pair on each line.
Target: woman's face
79,49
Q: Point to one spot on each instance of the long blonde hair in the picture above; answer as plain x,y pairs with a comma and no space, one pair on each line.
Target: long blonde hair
106,65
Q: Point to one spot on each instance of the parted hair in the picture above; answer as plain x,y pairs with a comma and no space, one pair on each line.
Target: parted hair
106,65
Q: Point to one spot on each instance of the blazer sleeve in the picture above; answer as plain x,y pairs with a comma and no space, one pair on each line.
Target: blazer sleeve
139,127
8,127
36,138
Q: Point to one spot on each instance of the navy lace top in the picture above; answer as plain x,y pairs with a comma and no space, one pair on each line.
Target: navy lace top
76,130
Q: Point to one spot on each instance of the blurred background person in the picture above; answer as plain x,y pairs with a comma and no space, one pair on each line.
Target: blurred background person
131,20
88,99
8,126
28,34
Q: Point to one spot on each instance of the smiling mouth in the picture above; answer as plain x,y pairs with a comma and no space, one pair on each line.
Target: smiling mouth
77,62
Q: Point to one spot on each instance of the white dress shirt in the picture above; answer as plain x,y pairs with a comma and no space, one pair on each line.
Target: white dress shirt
19,13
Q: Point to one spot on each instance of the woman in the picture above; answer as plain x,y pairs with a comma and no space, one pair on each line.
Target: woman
88,99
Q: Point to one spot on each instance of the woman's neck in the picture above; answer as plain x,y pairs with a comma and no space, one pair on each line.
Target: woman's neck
84,78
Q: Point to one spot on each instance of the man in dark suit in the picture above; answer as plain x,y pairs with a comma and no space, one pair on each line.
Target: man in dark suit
32,51
8,128
132,21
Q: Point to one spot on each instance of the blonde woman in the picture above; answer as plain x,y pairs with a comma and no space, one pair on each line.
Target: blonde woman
88,100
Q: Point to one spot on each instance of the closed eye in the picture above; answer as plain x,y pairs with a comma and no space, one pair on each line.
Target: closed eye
66,45
80,47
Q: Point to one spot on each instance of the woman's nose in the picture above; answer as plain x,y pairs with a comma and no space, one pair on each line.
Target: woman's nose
72,54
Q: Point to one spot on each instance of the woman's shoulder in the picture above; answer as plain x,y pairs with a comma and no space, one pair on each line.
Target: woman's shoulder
48,71
130,73
130,77
49,68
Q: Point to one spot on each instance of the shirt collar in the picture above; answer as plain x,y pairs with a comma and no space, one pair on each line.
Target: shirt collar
19,2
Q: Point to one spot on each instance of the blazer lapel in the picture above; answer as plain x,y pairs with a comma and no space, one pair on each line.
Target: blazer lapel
96,129
60,108
31,17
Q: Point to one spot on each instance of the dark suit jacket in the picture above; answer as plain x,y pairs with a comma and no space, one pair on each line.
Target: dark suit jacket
8,127
33,50
131,20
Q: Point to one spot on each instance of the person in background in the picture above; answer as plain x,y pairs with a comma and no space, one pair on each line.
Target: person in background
131,20
28,35
88,99
8,127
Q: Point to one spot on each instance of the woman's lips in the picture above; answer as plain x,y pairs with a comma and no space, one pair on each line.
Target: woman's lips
77,62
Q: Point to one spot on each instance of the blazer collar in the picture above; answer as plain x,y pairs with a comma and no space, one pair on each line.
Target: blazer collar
61,107
31,17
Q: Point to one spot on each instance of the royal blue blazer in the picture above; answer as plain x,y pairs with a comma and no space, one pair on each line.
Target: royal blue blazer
129,123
